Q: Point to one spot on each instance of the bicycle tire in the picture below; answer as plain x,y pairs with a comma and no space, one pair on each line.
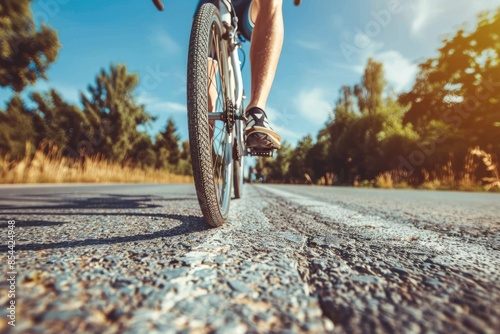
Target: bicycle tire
213,185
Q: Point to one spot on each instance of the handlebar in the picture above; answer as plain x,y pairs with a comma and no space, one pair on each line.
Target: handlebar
160,6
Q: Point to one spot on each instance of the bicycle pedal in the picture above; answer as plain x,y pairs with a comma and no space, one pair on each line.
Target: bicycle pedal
260,152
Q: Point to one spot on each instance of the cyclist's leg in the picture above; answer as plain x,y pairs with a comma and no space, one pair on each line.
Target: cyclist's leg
265,48
212,91
212,86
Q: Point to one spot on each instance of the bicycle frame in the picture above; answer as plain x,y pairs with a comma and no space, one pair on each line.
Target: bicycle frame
160,6
229,20
217,158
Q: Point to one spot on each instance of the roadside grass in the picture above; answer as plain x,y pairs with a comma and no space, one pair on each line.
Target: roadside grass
494,180
446,178
47,166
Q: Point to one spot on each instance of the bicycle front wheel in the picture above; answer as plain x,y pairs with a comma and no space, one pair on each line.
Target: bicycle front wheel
209,114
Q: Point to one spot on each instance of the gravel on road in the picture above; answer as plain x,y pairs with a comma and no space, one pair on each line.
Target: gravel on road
139,258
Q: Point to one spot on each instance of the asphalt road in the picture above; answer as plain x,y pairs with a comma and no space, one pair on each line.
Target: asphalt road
139,258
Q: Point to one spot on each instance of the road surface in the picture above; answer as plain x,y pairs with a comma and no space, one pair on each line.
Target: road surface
139,258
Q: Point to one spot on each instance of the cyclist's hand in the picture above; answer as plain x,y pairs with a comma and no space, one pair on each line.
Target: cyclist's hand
160,6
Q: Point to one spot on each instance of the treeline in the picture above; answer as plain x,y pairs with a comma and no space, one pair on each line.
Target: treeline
108,122
108,126
425,135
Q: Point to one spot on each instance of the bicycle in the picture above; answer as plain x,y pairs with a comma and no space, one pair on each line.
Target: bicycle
216,136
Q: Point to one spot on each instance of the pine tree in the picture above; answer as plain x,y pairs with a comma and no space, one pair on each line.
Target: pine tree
63,124
17,128
113,113
25,53
167,146
143,154
186,153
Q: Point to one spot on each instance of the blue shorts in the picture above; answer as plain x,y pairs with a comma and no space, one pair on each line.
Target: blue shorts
242,7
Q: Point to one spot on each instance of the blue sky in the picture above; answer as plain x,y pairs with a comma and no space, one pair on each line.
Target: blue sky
327,44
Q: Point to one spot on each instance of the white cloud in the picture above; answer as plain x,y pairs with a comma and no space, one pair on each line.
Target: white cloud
168,106
286,134
282,115
425,10
399,71
360,47
69,93
441,16
281,120
313,105
154,104
162,39
310,45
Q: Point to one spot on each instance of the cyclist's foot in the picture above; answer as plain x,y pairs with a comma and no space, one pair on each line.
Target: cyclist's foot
258,132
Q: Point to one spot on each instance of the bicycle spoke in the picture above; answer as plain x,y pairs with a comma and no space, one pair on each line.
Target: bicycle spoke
217,129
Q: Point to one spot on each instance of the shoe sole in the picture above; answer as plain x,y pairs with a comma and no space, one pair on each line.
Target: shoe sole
270,139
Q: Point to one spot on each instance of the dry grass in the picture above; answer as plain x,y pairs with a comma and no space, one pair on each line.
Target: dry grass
392,179
308,178
468,180
327,179
494,179
47,166
384,180
446,178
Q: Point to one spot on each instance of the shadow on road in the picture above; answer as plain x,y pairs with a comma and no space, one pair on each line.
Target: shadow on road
108,205
69,201
190,224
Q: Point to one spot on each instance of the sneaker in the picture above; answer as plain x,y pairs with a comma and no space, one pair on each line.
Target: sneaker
258,132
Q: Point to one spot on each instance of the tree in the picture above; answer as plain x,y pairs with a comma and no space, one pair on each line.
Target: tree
298,163
185,166
113,113
17,129
25,53
186,153
369,93
367,143
167,146
275,169
143,154
317,159
455,101
63,124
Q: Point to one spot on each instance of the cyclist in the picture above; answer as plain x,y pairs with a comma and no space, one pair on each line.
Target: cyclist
261,22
